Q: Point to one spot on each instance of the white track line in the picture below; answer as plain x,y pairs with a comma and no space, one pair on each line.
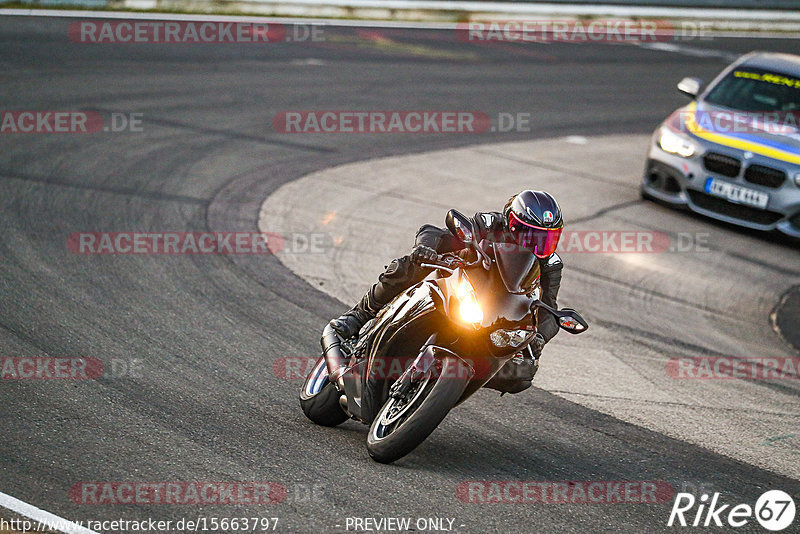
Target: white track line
50,521
689,50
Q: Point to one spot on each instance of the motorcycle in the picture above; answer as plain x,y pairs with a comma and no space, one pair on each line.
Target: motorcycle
431,347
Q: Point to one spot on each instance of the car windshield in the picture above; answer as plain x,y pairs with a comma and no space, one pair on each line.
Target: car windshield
751,89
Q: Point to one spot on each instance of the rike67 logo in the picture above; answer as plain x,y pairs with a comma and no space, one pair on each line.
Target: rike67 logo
774,510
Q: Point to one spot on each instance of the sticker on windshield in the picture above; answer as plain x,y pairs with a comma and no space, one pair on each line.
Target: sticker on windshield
777,79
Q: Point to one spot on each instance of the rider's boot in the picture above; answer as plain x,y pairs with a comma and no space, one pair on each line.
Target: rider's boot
351,322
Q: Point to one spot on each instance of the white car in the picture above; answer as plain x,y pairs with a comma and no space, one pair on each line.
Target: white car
733,153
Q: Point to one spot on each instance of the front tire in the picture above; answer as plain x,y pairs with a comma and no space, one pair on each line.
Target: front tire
399,428
319,398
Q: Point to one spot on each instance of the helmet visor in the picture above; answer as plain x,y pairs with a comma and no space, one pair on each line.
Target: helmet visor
541,241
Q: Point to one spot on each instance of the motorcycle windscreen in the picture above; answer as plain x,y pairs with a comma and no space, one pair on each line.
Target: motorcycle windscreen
514,263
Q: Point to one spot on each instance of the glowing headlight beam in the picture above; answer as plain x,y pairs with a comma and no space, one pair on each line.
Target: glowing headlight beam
470,309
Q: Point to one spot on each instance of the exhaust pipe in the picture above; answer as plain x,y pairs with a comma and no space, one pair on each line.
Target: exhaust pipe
334,358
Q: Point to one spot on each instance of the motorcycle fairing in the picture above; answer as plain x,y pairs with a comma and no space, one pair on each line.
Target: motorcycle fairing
500,308
403,326
395,331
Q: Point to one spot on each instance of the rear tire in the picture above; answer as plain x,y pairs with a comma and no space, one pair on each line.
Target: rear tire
319,398
389,442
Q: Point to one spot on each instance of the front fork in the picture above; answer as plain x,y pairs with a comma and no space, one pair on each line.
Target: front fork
421,366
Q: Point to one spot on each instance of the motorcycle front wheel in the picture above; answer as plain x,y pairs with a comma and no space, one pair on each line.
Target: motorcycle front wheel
402,424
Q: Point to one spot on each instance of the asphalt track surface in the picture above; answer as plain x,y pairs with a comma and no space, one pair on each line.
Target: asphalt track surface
666,304
204,330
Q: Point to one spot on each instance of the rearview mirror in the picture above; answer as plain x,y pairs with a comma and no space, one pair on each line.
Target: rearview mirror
571,321
460,226
568,319
690,86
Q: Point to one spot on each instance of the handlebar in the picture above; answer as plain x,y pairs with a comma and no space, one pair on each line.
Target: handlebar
448,262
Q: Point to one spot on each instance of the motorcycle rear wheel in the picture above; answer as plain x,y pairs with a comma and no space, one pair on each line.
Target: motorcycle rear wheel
319,398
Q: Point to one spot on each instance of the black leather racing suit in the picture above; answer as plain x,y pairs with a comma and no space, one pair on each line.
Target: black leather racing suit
403,273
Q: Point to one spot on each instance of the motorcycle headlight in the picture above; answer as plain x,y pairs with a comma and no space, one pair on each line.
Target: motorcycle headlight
510,338
469,308
674,143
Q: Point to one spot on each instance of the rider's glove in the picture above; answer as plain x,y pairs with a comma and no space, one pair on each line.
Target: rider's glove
537,345
421,254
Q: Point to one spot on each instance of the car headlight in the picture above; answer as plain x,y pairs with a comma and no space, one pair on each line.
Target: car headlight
677,144
797,179
469,308
510,338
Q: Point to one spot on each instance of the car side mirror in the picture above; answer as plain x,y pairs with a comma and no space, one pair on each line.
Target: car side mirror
460,226
690,87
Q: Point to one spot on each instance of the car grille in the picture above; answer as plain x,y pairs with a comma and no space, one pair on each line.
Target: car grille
722,164
737,211
766,176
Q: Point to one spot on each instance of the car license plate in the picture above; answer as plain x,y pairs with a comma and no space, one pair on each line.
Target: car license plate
736,193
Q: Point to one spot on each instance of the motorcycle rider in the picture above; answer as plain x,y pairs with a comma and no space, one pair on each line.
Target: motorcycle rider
531,220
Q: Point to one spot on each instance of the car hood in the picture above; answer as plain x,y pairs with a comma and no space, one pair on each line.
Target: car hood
769,134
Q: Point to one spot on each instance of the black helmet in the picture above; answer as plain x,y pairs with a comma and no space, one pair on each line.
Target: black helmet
534,221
